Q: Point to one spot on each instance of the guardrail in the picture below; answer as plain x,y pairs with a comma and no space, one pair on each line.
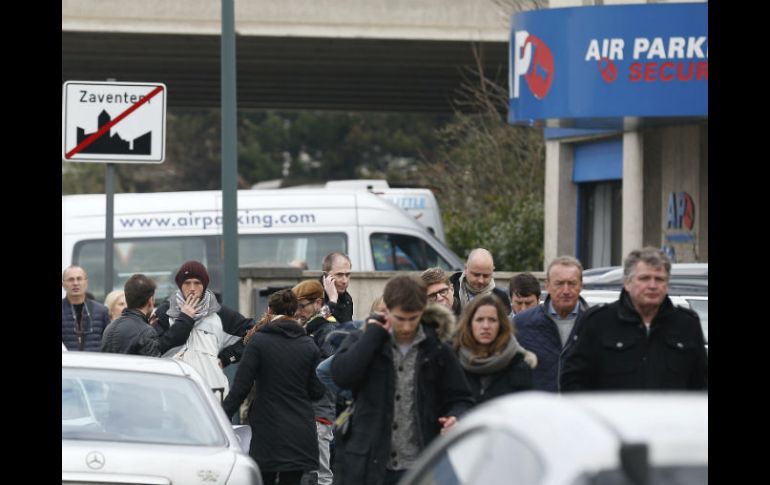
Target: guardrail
364,287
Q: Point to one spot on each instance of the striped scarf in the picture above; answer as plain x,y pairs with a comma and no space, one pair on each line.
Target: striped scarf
205,307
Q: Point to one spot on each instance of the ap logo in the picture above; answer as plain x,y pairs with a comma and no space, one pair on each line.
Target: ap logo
533,60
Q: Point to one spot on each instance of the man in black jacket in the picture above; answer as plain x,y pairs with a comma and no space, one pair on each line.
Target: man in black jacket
336,278
476,280
408,388
131,333
641,341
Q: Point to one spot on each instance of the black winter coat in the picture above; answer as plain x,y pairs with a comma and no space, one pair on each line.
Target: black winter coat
517,376
613,350
364,364
280,359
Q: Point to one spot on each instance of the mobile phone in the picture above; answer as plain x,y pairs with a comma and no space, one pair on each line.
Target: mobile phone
380,317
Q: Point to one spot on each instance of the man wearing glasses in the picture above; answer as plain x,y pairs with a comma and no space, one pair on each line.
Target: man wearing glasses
439,288
440,291
82,320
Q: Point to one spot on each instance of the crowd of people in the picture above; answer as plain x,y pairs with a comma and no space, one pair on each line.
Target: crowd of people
333,400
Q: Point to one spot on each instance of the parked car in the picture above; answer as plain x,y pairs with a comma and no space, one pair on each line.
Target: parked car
536,438
131,419
686,279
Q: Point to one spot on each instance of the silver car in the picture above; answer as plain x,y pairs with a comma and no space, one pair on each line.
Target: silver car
537,438
130,419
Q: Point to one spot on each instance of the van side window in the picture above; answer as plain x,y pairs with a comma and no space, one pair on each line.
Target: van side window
282,249
399,252
158,258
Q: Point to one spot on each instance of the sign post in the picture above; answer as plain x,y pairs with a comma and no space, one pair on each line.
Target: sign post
108,122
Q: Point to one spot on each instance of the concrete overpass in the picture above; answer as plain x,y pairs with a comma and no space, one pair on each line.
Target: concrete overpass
372,55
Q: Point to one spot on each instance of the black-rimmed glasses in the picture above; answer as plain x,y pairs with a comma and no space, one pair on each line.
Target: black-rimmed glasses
442,293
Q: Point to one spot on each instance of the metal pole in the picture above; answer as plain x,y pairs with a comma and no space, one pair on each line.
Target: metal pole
109,192
229,159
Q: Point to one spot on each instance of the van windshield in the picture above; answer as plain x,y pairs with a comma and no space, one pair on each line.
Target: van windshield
161,257
399,252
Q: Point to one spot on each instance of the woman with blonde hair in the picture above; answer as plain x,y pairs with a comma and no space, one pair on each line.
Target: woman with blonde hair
115,301
491,357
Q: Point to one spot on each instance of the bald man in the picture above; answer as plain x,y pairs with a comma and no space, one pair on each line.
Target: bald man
477,280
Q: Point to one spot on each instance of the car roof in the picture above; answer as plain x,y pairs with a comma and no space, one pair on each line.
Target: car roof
686,278
588,429
595,297
121,362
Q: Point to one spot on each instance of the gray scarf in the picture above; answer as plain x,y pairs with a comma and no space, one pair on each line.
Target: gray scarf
467,293
206,306
488,365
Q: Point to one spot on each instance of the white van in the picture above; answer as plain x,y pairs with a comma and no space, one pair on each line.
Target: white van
417,202
156,232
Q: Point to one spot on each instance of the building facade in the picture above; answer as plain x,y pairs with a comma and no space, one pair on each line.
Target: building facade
621,90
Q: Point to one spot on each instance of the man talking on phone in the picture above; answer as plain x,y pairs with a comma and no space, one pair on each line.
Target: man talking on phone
335,279
409,387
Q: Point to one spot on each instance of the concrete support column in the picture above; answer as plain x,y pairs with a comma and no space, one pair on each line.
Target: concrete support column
633,192
560,201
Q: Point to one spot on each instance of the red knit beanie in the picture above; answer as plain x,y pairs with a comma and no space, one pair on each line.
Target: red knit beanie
192,269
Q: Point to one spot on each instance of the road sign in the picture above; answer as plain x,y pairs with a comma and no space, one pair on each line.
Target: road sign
114,122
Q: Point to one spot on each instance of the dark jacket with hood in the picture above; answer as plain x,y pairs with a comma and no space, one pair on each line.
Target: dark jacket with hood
457,306
177,334
280,360
613,350
364,363
538,333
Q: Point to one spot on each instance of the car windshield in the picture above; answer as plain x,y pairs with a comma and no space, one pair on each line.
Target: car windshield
136,407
